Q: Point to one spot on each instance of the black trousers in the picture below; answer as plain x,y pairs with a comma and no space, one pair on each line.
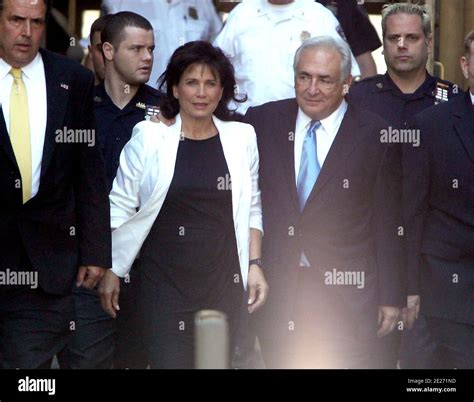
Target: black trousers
99,341
34,326
321,331
416,346
92,343
454,344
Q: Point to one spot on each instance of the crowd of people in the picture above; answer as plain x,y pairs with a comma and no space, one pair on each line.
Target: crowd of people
242,169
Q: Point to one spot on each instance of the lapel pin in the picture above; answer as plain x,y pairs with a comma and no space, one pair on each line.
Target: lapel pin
65,86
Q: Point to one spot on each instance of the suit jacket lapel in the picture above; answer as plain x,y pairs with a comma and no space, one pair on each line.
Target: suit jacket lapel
285,135
5,143
343,144
464,123
57,88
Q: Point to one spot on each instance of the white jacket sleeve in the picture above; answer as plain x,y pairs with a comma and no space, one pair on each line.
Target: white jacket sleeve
256,204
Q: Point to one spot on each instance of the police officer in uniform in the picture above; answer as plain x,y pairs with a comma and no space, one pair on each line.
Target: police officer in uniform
359,32
406,88
381,95
115,125
175,22
121,101
439,216
403,91
261,37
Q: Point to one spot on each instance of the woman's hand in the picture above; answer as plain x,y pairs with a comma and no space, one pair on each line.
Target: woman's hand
109,290
258,288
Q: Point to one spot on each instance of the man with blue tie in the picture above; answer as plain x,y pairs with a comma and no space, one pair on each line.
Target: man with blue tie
333,241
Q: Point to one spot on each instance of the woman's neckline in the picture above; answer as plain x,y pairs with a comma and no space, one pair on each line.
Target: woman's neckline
184,138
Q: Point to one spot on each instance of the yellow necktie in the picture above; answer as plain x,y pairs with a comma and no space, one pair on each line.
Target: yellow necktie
20,130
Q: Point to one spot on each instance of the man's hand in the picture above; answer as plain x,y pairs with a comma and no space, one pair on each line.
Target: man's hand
160,119
411,311
388,317
89,276
258,288
109,290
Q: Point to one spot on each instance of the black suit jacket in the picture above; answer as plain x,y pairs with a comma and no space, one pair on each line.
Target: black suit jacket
351,219
67,223
439,209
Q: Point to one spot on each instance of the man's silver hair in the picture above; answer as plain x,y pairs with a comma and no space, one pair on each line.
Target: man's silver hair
327,43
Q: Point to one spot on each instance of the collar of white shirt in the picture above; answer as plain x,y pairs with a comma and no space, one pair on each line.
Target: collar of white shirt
283,11
325,134
472,97
30,71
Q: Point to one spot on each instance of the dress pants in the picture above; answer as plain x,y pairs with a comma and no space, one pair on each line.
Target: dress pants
101,342
322,332
34,326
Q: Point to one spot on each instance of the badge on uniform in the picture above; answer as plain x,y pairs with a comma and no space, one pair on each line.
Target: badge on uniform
97,99
192,12
151,111
442,91
305,35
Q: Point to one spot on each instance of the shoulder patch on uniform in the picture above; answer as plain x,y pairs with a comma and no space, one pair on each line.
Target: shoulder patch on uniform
441,92
151,110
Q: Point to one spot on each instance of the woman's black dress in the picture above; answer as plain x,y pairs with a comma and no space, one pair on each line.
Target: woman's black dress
189,260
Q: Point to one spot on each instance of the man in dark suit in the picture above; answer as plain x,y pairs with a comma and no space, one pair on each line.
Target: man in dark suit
331,194
403,91
438,203
54,220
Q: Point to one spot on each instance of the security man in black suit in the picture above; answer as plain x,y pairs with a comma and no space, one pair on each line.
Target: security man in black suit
438,203
55,219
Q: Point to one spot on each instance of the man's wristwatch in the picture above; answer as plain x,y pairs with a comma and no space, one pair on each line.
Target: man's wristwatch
256,261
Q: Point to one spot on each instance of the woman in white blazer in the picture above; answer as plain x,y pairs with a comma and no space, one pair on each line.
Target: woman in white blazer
187,198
